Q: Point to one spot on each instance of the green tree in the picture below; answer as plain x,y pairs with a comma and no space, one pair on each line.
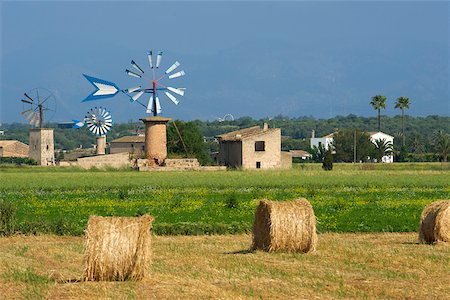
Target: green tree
328,161
344,142
402,103
192,139
317,153
381,148
378,102
441,144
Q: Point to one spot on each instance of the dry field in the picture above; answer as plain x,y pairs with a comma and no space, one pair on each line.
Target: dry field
383,266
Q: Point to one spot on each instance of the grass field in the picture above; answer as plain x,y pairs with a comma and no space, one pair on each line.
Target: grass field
346,266
361,198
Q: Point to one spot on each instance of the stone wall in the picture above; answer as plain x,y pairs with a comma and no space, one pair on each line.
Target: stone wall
269,158
135,149
230,154
286,160
118,160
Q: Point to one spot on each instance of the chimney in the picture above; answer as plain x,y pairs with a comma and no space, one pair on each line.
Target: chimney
313,134
266,126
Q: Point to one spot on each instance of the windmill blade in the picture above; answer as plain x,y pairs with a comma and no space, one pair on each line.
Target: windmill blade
26,101
29,116
177,74
137,96
158,105
24,112
136,66
150,58
158,59
77,124
132,74
132,89
150,105
38,121
172,97
25,94
176,91
173,67
101,130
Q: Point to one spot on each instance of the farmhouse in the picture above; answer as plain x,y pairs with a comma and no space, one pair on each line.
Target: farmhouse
131,144
13,148
327,141
253,148
301,154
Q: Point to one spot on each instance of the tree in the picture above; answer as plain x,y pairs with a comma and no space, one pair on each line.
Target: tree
441,144
328,161
378,102
318,153
344,142
382,148
402,103
192,138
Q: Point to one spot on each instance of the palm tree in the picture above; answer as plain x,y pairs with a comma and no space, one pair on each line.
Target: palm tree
378,102
402,103
382,148
441,144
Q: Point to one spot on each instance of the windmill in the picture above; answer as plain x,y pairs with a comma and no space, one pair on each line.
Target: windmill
36,103
152,85
155,126
98,121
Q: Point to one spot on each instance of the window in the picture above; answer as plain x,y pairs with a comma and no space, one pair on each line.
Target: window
260,146
258,165
47,147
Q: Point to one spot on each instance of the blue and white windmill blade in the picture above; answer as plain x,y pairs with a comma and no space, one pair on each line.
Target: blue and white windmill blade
157,105
136,66
172,67
132,89
176,91
172,98
132,74
103,89
77,124
150,105
150,58
137,96
158,59
177,74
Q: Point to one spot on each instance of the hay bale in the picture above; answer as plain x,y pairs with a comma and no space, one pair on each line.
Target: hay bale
117,248
288,226
435,223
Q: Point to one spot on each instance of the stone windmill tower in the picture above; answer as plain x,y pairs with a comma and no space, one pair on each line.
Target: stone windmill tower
42,145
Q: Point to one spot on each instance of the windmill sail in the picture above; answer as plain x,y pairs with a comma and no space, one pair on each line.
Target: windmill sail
173,67
172,97
177,74
158,59
136,66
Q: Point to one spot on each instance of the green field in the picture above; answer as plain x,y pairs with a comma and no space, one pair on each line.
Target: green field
361,198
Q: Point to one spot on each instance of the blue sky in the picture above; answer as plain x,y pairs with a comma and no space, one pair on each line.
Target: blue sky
296,58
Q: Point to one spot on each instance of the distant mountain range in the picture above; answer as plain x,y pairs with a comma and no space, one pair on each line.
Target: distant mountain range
257,79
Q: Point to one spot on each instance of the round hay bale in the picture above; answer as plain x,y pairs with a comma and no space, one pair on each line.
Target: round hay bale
435,223
117,248
287,226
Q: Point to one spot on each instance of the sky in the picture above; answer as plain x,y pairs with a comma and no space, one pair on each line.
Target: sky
245,58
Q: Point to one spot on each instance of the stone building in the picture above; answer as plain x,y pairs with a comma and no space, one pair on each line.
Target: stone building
135,145
13,148
253,148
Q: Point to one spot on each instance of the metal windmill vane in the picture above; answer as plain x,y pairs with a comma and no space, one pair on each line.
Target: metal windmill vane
152,86
98,120
37,102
